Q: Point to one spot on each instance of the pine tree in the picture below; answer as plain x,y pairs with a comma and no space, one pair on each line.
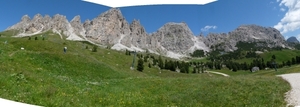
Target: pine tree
293,61
297,59
273,57
172,65
289,63
149,65
194,70
229,65
94,48
182,70
145,59
154,62
245,66
234,68
126,52
140,66
160,62
260,65
186,67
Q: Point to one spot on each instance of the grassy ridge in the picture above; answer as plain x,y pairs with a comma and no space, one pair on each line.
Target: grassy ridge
281,56
43,75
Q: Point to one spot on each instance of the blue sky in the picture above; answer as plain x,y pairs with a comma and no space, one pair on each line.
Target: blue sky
221,16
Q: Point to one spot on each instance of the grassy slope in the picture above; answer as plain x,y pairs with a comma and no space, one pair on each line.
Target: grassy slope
283,55
41,74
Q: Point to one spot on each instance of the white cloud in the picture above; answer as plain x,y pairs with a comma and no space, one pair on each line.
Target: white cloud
291,21
282,9
207,28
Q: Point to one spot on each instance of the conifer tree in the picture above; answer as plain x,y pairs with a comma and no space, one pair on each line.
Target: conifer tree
160,62
293,61
140,66
94,48
145,59
289,63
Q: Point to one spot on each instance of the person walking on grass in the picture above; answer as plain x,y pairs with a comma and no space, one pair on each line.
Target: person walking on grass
65,49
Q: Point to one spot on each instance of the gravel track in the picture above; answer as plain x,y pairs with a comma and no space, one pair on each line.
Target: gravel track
293,96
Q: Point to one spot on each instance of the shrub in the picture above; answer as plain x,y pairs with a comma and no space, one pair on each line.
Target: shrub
94,48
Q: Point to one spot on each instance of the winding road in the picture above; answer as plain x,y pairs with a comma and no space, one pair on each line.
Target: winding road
226,75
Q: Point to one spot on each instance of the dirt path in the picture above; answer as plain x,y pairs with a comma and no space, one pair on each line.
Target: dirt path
226,75
10,55
293,96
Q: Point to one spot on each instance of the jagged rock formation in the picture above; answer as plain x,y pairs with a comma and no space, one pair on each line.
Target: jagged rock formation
77,26
292,40
246,33
107,28
137,37
172,39
39,24
175,37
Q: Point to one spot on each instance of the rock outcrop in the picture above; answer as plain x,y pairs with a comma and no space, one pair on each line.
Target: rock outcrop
107,28
175,37
246,33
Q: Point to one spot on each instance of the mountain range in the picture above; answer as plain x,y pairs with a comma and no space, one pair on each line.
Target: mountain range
174,40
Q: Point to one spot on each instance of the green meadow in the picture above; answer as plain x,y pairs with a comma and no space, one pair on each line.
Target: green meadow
42,74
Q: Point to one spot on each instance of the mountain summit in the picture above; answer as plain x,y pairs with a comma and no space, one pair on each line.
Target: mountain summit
292,40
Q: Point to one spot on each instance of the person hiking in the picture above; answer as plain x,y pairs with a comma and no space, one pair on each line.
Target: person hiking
65,49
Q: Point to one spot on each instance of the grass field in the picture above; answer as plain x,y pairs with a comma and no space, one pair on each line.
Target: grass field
42,74
283,55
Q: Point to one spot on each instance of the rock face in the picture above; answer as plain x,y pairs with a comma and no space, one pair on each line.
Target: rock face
107,28
78,26
137,36
175,37
246,33
39,24
172,39
292,40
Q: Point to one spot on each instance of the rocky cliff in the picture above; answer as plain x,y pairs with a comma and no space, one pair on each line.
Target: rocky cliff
246,33
172,39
